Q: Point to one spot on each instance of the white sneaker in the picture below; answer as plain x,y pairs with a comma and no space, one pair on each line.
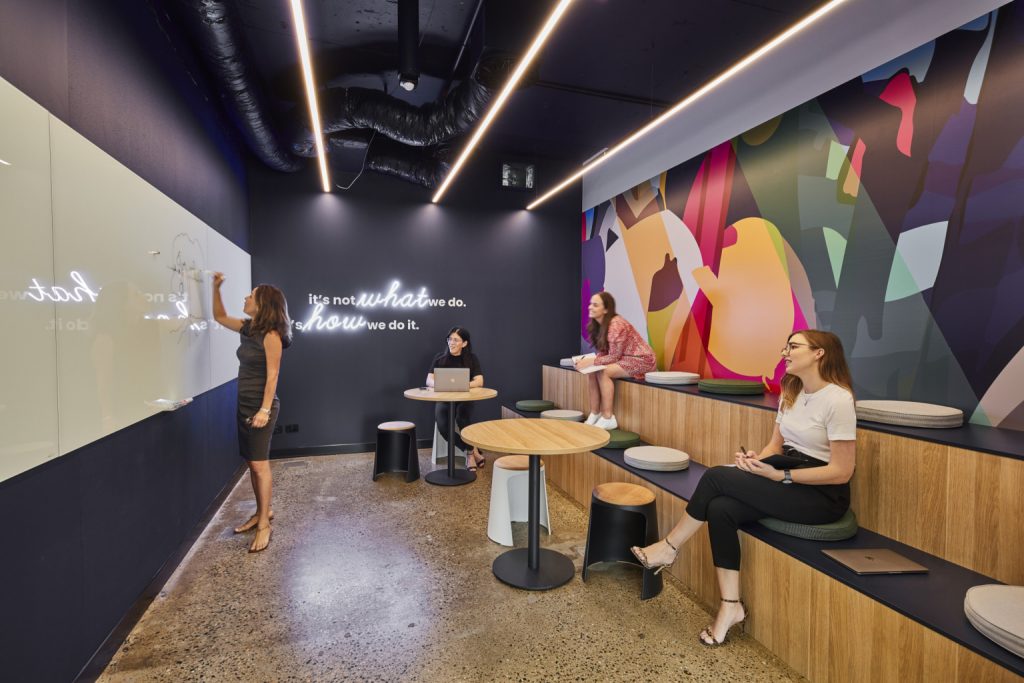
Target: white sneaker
594,417
608,423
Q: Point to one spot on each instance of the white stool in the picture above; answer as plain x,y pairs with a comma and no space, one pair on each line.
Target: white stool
510,497
440,451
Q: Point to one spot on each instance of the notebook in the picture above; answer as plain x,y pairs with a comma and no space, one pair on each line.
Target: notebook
875,561
451,379
590,368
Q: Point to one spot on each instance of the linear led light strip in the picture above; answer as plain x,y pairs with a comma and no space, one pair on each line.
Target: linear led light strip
307,75
703,90
524,64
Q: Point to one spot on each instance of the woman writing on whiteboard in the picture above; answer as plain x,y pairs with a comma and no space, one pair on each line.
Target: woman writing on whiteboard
264,334
621,352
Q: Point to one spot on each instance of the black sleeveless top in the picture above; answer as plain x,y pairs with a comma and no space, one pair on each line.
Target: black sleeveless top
252,369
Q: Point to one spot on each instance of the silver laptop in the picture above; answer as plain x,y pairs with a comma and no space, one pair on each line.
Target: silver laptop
875,561
451,379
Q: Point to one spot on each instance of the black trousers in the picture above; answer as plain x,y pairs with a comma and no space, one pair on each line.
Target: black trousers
727,497
463,414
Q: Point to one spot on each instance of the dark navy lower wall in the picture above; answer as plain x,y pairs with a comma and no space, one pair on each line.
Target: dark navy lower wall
85,533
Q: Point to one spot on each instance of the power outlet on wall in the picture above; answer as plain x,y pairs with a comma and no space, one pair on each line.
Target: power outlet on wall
291,429
278,429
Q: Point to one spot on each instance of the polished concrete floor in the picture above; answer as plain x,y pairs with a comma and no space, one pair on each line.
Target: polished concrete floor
388,581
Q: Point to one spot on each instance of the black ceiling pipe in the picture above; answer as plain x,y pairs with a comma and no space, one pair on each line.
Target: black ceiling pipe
408,43
213,28
434,123
425,166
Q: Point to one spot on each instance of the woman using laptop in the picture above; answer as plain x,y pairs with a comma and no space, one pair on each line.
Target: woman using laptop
802,475
458,354
620,350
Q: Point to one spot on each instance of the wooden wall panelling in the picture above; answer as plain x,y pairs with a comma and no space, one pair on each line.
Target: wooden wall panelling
973,668
776,591
985,514
854,638
899,489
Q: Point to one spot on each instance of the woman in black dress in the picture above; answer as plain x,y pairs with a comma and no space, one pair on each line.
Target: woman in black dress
458,354
264,334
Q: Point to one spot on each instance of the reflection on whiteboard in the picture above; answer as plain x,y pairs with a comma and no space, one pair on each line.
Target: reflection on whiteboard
106,280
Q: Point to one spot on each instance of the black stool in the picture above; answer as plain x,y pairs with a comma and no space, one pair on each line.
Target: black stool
396,450
622,515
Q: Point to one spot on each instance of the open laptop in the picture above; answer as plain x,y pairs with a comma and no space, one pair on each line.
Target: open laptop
451,379
875,561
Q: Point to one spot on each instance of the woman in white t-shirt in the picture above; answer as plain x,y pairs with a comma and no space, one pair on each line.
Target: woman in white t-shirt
802,475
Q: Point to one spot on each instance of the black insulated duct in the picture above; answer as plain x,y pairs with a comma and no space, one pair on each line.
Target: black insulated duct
408,43
432,124
367,151
213,28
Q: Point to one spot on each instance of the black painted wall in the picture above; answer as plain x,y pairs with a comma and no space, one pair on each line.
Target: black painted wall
517,272
85,533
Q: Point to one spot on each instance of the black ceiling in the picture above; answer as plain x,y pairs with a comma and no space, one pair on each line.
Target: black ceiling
610,66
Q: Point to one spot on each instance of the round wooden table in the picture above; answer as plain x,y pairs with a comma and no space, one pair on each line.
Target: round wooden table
451,476
534,568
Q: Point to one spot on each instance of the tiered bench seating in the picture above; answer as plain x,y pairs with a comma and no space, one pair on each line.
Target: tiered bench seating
944,498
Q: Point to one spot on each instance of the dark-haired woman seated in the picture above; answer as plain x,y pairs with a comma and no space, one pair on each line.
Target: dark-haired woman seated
264,334
458,353
815,435
621,351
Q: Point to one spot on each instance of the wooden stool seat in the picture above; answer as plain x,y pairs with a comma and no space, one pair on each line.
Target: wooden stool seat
622,515
514,462
619,493
395,425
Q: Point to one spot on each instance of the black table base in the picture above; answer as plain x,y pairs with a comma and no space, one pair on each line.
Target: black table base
513,567
533,568
454,478
451,476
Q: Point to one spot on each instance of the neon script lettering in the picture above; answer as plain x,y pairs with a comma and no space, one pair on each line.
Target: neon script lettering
317,322
392,299
79,293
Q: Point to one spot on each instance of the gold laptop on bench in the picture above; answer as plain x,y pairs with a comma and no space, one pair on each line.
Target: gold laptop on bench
875,561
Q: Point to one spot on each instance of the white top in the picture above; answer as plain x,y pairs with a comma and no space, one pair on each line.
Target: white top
829,414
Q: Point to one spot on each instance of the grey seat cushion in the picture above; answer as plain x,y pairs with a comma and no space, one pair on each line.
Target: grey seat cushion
534,405
839,530
997,611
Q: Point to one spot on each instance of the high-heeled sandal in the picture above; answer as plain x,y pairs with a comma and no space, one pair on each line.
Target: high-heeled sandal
640,555
270,532
708,630
250,524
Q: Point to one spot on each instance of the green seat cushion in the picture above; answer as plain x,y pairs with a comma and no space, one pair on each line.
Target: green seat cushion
839,530
730,386
620,438
534,405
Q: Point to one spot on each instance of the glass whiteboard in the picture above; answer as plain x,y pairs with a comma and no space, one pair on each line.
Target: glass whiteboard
109,287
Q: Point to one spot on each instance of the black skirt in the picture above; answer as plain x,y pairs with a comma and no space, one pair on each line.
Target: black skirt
253,443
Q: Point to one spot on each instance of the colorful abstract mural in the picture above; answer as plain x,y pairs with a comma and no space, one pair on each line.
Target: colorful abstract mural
889,210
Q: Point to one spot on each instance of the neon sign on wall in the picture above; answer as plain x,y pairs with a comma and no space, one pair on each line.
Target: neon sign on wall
392,298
